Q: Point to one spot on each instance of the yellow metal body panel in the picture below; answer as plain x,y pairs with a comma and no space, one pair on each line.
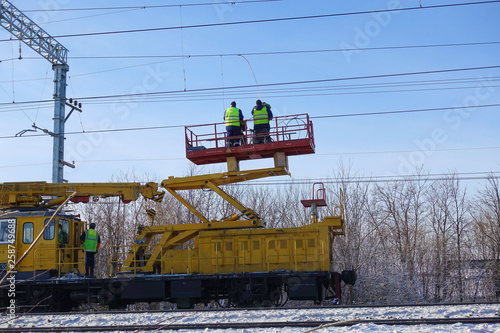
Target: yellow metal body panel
306,248
172,236
58,249
299,249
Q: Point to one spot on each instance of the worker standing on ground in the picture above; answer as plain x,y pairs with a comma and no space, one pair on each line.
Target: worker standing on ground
261,116
91,243
233,117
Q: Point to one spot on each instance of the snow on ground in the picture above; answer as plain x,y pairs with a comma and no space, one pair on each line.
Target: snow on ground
187,317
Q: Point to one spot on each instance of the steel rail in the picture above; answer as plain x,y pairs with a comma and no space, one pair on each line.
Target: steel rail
247,325
301,307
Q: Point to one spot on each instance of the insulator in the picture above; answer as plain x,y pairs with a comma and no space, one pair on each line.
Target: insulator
80,105
70,100
75,103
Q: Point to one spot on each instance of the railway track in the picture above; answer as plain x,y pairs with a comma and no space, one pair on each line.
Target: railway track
250,325
33,312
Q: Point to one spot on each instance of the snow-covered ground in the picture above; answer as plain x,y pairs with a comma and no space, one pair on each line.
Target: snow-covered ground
165,318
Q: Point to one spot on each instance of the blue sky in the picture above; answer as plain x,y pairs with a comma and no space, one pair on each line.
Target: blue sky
463,139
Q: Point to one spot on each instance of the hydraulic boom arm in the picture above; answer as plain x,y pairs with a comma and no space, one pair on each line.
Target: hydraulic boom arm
42,194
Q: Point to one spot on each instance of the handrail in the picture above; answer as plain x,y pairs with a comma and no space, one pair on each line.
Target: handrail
58,262
283,128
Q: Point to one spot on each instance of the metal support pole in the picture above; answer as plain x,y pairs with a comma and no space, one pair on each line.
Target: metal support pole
314,212
60,71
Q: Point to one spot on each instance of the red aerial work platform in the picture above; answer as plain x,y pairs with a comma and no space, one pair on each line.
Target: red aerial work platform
291,135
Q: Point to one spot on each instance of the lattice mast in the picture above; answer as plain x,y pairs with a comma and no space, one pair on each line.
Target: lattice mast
27,31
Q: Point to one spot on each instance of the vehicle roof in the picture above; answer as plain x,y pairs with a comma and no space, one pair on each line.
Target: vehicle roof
32,213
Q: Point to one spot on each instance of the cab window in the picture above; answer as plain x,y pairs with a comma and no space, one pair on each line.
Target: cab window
48,234
4,230
28,232
63,231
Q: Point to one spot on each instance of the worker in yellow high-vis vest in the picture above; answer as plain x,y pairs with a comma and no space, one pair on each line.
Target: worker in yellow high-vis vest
262,115
91,241
233,119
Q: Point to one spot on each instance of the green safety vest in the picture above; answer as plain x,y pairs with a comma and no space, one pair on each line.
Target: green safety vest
260,116
90,243
63,236
232,116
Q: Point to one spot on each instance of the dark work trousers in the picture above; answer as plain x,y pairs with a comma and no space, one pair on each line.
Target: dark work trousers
89,263
259,129
233,131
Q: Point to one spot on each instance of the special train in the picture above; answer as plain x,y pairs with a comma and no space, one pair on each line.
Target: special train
233,261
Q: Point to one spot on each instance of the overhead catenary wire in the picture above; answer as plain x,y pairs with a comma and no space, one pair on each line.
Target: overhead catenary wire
254,77
312,117
355,180
223,91
281,92
147,6
289,83
114,57
478,175
352,86
257,21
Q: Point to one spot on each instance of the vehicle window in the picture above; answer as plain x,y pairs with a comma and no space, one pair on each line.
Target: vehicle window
28,232
5,231
49,232
63,231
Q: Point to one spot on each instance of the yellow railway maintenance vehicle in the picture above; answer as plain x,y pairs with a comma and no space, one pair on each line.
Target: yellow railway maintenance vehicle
234,261
25,209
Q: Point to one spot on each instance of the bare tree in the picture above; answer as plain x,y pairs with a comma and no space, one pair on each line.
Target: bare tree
460,218
359,248
487,227
448,219
401,204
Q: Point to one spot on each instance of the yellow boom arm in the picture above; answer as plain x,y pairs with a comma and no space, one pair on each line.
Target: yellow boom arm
31,194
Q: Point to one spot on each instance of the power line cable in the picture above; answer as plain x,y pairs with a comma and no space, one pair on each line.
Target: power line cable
476,173
270,20
284,94
327,180
320,91
395,112
312,117
348,86
284,52
152,94
146,6
353,180
262,53
299,82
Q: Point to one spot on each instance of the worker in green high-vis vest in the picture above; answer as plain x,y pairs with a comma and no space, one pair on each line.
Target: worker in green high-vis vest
233,118
91,241
261,116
